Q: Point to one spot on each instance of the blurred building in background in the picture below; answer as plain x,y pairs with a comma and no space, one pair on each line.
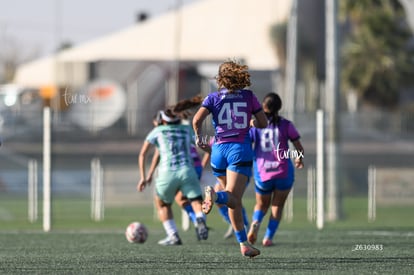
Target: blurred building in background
160,60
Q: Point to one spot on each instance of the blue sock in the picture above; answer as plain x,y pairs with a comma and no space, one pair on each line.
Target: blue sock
224,212
258,216
271,229
189,209
222,197
245,218
241,236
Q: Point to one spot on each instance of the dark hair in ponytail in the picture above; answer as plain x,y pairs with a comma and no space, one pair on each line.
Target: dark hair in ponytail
173,114
273,103
181,108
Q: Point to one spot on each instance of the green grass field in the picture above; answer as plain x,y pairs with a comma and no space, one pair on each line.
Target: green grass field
77,245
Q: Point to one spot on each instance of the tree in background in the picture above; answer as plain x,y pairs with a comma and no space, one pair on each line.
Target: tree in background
12,54
377,58
376,48
64,45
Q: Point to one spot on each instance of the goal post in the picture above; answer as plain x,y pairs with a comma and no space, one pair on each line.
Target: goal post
371,193
311,194
32,186
97,190
320,211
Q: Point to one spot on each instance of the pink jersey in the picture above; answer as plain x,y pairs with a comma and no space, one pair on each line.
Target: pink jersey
271,146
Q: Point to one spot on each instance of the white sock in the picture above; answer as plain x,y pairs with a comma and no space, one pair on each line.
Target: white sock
170,227
201,215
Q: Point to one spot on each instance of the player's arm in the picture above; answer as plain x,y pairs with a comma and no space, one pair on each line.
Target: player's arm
299,149
260,121
141,165
154,164
198,120
206,158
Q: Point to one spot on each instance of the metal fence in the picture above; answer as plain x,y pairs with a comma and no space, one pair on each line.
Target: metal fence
368,139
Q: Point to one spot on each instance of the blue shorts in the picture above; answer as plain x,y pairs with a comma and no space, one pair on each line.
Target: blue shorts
237,157
267,187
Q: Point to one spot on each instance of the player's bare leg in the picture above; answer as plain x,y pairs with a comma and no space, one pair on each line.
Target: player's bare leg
165,215
262,205
278,202
235,188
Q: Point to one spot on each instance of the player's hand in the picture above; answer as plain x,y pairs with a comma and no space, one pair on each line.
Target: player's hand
252,123
141,185
299,163
149,180
202,144
204,147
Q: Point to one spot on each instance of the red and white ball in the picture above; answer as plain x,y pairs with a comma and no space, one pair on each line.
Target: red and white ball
136,232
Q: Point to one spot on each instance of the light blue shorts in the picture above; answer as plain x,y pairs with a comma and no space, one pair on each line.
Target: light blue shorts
185,179
267,187
237,157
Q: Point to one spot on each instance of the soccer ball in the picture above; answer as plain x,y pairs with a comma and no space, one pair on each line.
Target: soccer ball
136,232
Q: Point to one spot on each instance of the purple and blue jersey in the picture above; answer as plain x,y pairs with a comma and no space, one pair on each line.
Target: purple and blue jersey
231,114
271,147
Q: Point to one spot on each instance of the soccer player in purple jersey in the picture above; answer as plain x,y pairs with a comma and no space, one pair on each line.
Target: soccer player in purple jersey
232,108
273,168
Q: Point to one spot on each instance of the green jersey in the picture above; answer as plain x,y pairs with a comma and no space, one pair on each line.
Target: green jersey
173,142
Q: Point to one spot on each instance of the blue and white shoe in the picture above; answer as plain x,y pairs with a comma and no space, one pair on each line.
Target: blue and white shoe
202,229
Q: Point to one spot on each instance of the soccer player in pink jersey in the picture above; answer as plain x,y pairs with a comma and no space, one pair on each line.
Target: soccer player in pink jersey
273,168
232,108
